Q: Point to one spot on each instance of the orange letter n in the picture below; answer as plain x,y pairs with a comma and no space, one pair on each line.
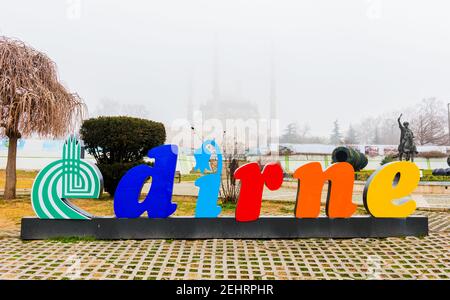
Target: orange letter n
311,178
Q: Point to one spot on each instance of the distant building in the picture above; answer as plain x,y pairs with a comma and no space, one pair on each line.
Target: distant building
261,130
229,108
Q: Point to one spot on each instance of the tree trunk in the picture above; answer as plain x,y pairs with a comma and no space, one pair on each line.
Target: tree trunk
10,184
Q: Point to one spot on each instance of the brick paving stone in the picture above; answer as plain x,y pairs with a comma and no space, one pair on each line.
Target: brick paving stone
388,258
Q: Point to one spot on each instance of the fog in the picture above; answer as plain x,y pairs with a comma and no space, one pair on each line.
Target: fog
332,59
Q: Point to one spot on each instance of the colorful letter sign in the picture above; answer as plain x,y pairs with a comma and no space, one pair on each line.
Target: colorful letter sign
69,177
72,177
392,181
158,203
311,178
252,183
209,184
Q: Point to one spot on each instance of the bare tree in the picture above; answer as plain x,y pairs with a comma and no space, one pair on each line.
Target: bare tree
381,129
429,123
32,101
351,136
388,133
230,189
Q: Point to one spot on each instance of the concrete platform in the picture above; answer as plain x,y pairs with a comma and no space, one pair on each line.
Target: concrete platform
224,228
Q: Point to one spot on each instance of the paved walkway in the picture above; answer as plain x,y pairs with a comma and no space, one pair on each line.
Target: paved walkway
390,258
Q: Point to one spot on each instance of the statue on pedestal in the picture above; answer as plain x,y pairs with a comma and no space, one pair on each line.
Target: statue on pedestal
407,146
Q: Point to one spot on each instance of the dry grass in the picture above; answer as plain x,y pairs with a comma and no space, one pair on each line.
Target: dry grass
11,211
24,179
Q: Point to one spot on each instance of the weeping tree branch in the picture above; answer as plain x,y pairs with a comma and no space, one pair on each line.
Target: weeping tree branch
32,100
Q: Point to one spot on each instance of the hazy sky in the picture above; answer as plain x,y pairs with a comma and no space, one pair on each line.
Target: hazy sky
334,59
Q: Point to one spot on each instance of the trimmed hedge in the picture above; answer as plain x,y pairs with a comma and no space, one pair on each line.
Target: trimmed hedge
387,159
112,173
434,178
120,143
426,176
363,175
431,154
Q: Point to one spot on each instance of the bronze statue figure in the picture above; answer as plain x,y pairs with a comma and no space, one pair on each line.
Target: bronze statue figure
407,145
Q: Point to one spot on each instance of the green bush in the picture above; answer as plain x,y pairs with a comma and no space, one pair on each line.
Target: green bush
434,178
431,154
426,176
363,175
427,172
387,159
120,143
112,173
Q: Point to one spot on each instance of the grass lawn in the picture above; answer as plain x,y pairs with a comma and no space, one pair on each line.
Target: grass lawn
190,177
24,179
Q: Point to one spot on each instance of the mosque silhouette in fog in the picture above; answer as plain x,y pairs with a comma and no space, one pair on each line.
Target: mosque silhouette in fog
224,107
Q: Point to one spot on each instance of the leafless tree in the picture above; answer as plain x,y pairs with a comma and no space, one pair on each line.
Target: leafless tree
429,123
32,101
351,136
382,129
230,188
